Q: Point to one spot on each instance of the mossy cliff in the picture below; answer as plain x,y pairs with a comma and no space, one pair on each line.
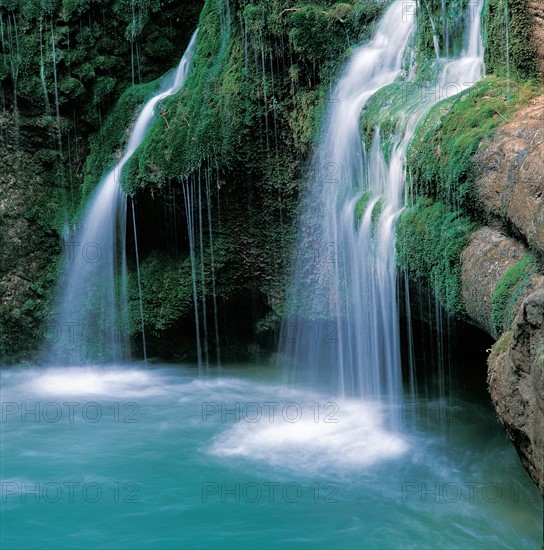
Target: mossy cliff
63,66
472,231
237,136
246,122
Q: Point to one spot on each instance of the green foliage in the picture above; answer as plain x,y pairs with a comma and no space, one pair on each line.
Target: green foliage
508,290
42,155
440,157
263,73
97,46
386,110
106,146
250,112
512,54
166,290
361,205
430,239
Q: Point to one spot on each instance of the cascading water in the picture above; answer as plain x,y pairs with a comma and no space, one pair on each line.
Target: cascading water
343,327
91,324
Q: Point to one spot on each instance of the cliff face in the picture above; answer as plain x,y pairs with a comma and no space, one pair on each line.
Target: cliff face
485,261
510,188
63,65
516,383
475,237
510,175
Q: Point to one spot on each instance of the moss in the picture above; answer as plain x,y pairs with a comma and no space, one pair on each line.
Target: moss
501,346
431,237
106,146
377,208
248,117
256,85
166,290
361,205
519,59
441,154
42,157
385,110
508,290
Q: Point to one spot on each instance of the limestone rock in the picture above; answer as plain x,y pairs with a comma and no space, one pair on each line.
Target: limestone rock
516,383
510,174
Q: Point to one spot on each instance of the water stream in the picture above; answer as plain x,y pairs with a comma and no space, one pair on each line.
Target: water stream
344,314
91,326
332,451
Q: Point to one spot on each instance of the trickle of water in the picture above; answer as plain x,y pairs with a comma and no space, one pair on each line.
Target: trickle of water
507,29
212,267
14,64
202,274
139,280
56,88
435,33
92,307
188,196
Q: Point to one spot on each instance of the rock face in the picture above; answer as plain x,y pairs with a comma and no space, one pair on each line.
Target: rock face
488,256
510,189
30,247
510,174
516,383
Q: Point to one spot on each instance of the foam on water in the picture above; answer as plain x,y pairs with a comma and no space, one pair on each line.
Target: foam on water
354,438
115,382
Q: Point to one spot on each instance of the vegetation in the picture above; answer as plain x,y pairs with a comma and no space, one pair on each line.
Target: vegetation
508,291
430,239
441,155
512,54
63,65
248,117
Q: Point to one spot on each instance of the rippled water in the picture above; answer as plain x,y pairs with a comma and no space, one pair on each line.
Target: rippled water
134,457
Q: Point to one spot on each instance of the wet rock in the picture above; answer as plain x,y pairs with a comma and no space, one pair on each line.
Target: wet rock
516,383
510,174
487,257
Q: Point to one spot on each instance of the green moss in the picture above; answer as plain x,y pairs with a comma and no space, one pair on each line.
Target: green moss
42,156
501,346
361,205
519,59
385,110
441,154
431,237
106,146
166,290
508,291
256,89
377,208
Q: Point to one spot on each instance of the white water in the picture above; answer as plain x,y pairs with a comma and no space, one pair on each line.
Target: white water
91,325
344,326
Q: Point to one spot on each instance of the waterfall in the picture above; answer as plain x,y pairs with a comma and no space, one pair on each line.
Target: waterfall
91,324
342,326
